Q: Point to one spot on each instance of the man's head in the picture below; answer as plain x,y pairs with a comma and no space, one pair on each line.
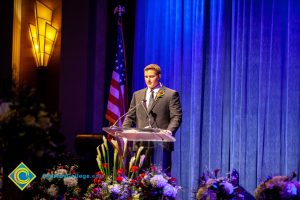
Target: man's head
152,75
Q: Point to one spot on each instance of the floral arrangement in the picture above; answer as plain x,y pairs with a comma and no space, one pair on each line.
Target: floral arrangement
214,187
60,182
28,128
278,187
160,94
128,182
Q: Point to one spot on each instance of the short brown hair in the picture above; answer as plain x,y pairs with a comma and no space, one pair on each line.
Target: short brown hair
154,67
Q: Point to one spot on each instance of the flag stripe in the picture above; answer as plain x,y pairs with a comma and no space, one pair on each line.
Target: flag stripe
114,108
113,100
114,92
112,115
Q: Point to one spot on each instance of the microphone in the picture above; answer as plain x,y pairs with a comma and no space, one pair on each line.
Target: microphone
133,108
149,119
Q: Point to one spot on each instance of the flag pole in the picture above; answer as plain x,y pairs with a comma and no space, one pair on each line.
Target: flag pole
118,93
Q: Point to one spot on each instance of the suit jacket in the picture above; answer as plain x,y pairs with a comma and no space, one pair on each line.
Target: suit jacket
165,112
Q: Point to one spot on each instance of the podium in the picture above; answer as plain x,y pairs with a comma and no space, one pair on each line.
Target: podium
156,143
140,134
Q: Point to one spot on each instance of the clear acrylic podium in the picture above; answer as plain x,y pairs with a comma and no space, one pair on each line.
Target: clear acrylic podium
152,139
140,134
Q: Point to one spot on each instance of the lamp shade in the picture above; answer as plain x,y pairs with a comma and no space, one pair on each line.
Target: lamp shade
43,35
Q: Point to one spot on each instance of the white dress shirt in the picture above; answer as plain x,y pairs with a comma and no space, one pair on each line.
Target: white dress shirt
148,93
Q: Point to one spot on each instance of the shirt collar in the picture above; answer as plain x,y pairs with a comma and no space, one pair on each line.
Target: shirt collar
156,89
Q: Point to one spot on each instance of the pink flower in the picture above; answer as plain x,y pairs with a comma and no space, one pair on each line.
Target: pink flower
153,168
96,190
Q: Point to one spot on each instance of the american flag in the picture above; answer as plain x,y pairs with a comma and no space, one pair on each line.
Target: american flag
117,99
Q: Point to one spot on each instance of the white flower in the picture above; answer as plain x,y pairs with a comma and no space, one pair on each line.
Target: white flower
42,113
29,120
142,160
61,171
170,191
228,187
297,185
291,189
70,181
158,181
116,189
131,162
44,122
53,190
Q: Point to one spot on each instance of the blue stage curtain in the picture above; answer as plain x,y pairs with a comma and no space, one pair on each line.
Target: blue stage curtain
236,65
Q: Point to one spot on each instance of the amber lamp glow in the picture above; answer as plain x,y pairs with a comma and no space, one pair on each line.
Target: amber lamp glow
43,35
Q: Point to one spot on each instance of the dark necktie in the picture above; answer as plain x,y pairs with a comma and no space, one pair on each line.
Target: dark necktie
151,99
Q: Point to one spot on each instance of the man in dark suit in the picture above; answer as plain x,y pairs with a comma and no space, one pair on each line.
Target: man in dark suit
160,108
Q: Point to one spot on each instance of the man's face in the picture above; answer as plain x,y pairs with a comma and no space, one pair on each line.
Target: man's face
151,78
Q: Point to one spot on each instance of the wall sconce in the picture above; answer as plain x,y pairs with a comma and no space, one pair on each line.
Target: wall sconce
43,35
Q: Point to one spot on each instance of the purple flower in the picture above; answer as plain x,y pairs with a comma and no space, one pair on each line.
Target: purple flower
158,181
228,188
170,191
291,189
115,189
104,185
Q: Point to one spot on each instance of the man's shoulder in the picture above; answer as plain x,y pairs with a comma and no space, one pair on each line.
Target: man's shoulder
141,91
169,90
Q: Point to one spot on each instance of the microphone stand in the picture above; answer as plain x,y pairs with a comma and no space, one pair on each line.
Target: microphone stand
141,102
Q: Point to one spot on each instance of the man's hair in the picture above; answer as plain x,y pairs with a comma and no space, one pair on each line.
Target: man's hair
154,67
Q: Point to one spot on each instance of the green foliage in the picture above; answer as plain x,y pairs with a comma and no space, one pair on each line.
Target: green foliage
27,130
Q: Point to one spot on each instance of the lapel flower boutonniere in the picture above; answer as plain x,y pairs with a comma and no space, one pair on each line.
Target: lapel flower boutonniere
160,94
